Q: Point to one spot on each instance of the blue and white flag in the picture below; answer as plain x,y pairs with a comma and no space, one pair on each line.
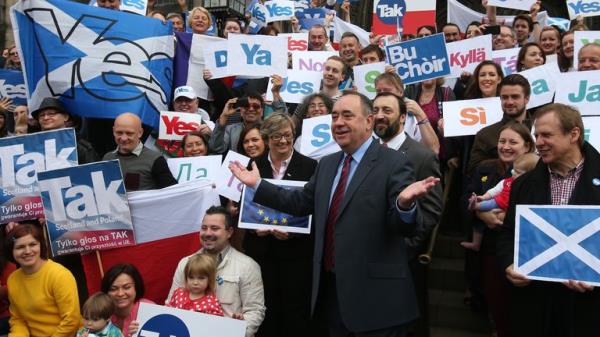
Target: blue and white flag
12,85
311,16
98,62
558,243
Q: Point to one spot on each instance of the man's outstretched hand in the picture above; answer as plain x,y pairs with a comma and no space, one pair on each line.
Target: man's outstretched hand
415,190
248,178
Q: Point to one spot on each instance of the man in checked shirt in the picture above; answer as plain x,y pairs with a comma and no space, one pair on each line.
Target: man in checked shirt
567,174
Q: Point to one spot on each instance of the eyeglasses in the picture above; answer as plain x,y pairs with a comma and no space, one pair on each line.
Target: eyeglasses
254,106
277,137
13,53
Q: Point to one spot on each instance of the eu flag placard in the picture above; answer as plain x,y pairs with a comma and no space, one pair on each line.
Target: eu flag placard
558,243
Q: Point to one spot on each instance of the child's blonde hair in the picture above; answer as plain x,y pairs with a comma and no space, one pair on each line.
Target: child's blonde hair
203,265
526,162
98,306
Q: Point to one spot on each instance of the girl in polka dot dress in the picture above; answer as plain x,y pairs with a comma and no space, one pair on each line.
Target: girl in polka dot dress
200,284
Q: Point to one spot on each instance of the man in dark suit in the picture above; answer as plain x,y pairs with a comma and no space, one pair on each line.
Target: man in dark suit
363,204
390,114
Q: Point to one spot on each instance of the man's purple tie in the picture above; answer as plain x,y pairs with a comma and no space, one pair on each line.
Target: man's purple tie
336,201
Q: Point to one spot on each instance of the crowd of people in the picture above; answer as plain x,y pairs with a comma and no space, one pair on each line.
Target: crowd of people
375,204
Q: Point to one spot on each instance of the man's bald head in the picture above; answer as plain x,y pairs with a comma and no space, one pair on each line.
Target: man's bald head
127,131
589,57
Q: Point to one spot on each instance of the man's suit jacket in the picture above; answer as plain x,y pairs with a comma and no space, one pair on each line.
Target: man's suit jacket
425,164
373,282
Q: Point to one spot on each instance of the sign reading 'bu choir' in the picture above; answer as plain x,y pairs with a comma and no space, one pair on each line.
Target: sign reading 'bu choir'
420,59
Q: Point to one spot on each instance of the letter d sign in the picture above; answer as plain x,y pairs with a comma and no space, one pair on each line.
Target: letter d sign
472,116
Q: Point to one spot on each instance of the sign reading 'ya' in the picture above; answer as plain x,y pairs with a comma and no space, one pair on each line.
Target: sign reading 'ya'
262,55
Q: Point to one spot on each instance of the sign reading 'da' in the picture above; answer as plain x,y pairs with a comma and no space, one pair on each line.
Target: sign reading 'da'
86,208
420,59
466,118
465,55
316,140
543,83
506,59
364,77
215,58
21,158
296,41
524,5
297,85
557,243
263,55
310,60
195,168
12,85
584,8
158,321
580,89
175,125
581,39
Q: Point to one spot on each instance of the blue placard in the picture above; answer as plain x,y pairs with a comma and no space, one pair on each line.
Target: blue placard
98,62
420,59
21,158
86,208
311,16
558,243
12,85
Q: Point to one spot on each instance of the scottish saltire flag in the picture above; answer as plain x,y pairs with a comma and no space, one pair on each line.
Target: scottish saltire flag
98,62
12,85
558,243
257,216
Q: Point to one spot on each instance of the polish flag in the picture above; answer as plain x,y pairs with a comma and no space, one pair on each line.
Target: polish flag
393,17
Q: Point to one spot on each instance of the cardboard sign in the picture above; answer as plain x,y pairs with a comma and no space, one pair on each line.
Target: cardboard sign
524,5
12,85
591,133
175,125
584,8
543,83
264,55
581,39
402,16
465,55
280,10
310,60
86,208
364,78
309,17
506,59
297,85
296,41
257,216
134,6
157,320
228,185
466,118
195,168
21,158
580,89
317,140
420,59
215,58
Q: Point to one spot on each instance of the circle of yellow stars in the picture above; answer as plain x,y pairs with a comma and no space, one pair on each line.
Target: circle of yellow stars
267,220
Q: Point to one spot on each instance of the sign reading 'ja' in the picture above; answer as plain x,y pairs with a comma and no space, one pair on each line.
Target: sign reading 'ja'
581,90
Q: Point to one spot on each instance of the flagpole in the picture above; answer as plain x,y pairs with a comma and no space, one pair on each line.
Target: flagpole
99,258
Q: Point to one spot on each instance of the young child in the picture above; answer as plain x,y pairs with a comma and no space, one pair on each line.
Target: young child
200,287
498,196
96,313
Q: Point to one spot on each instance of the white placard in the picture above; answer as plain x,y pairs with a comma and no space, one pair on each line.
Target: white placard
580,89
465,55
215,57
197,64
195,168
228,185
524,5
257,54
543,83
466,118
317,140
157,320
506,59
134,6
584,8
310,60
297,85
256,216
280,10
364,78
591,124
296,41
175,125
581,39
